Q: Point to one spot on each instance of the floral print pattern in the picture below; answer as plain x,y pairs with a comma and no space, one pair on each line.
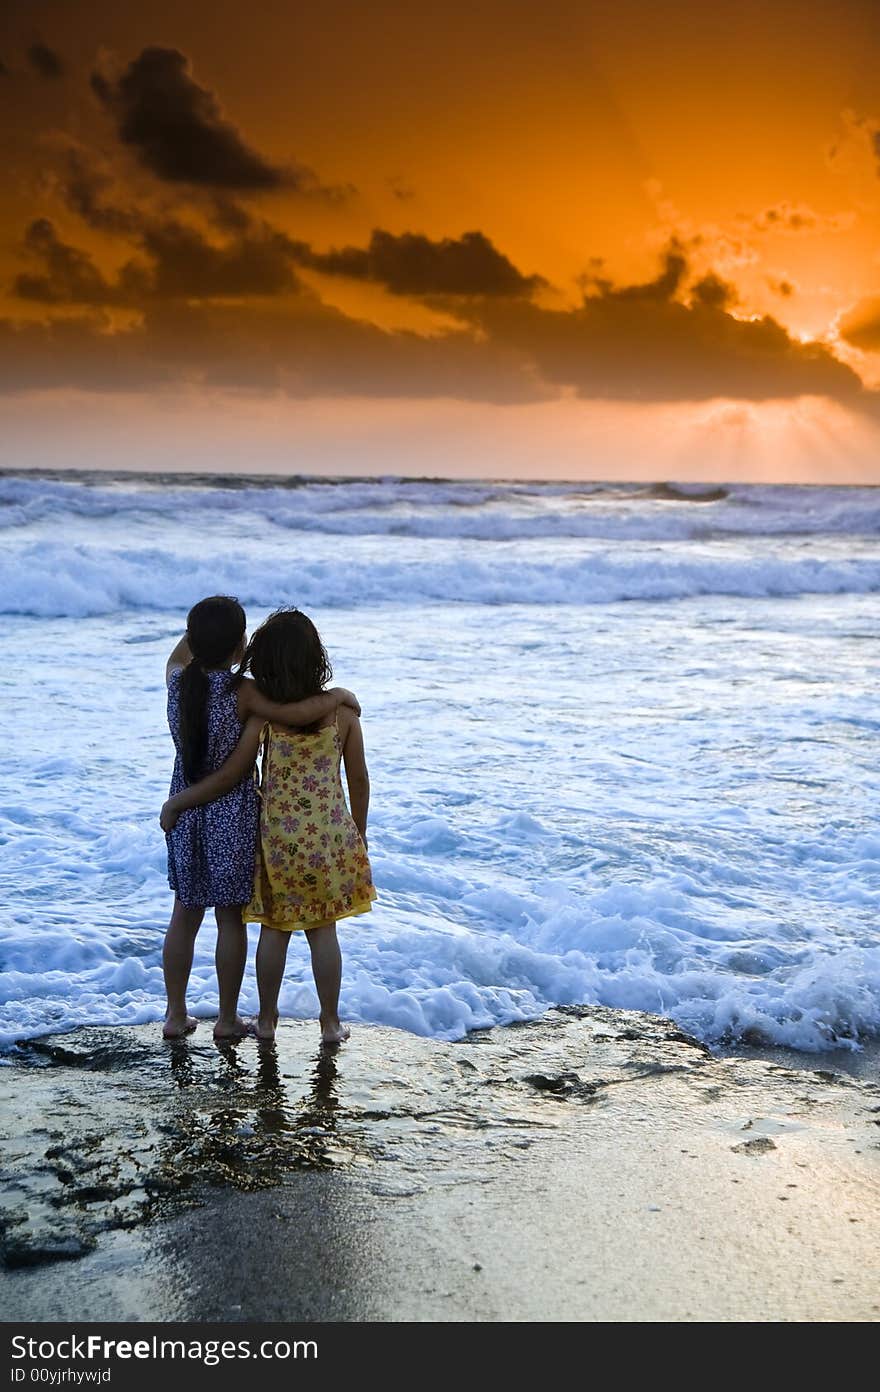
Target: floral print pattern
312,865
212,848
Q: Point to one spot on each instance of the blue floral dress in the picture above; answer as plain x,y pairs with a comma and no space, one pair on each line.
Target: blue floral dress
211,850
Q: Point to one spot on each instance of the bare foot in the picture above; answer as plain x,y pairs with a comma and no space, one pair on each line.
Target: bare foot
333,1031
236,1028
176,1026
266,1028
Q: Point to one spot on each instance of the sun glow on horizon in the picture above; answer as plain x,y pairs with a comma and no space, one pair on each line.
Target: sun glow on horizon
719,441
460,240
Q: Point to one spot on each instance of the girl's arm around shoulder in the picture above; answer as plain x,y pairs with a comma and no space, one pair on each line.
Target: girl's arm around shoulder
181,656
252,702
356,776
227,776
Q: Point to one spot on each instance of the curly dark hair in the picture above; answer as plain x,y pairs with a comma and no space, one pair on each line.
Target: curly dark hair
287,659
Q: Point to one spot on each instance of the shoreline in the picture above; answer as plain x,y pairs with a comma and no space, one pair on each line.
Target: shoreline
231,478
594,1164
862,1061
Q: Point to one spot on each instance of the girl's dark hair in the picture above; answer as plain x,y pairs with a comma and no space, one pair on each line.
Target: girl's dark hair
287,659
214,629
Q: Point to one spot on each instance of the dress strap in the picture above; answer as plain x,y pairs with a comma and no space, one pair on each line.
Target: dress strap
263,750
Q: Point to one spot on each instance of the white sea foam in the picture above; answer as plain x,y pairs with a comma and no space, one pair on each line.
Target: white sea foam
668,805
428,509
55,580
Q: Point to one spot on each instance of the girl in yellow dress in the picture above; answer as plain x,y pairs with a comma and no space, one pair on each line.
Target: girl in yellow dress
312,866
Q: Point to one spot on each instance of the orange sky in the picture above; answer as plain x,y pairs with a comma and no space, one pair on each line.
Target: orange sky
570,240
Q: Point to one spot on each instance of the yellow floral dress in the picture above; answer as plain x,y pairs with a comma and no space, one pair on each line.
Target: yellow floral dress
312,865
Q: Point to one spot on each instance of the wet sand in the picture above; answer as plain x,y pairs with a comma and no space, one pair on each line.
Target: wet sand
593,1165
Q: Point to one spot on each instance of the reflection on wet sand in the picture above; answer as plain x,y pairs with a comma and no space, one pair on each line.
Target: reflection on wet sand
168,1120
252,1123
315,1115
108,1129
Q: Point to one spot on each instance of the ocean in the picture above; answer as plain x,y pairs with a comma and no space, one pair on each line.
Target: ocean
622,739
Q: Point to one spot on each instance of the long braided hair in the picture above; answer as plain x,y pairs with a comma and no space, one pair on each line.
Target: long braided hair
214,629
287,659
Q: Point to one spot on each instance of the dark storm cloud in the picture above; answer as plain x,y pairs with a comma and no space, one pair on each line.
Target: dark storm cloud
69,275
85,186
796,218
175,259
672,338
178,130
406,264
75,353
185,265
713,292
413,264
661,288
861,325
177,263
229,215
645,343
316,351
45,61
320,351
259,258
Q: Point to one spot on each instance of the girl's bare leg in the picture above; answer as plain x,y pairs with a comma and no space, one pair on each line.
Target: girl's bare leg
327,971
230,958
177,956
271,957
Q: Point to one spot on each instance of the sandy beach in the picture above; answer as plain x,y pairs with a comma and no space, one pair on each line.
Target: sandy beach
595,1165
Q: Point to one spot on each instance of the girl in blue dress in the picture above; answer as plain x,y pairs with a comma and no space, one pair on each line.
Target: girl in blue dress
211,849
